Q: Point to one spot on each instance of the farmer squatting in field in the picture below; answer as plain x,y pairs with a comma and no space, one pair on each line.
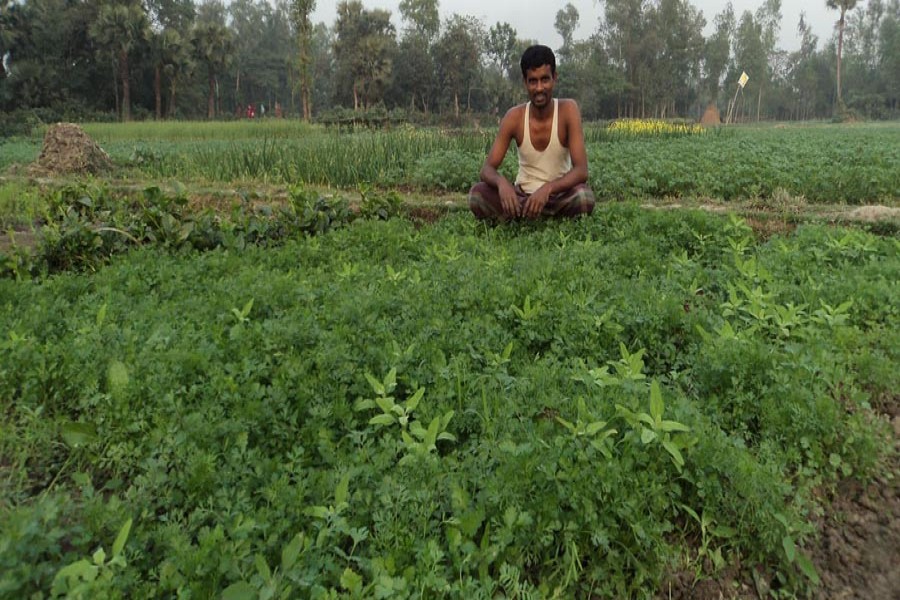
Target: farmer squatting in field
553,164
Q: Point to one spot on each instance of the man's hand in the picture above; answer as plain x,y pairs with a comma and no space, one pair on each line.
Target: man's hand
509,200
536,202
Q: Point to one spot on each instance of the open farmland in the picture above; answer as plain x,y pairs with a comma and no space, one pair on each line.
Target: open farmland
857,164
290,398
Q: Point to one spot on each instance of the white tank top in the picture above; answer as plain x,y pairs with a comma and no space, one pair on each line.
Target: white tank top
537,168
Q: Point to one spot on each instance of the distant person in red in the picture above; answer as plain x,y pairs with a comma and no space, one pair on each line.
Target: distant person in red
553,165
251,111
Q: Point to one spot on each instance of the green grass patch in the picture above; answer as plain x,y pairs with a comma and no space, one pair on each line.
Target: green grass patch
20,204
561,409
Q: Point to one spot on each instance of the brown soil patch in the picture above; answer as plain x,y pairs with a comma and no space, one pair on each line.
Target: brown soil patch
68,149
859,553
766,228
422,215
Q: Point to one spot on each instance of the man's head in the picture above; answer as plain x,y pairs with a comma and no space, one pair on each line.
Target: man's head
537,56
539,74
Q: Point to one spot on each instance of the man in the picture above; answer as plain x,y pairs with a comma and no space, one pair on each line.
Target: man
553,165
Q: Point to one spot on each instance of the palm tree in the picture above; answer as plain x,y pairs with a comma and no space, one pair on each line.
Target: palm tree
214,48
173,60
843,6
119,28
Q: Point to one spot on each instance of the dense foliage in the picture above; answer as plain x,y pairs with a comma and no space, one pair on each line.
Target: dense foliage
552,410
208,59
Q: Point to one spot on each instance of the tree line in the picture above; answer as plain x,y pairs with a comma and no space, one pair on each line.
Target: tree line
164,59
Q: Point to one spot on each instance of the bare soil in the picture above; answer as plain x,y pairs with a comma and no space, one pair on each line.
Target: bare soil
858,555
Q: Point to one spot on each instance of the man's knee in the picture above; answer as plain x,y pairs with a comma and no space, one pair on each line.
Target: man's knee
585,200
580,201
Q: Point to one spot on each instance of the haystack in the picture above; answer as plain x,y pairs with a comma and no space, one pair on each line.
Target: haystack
711,116
69,150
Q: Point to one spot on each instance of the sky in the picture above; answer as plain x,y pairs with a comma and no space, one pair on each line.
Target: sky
536,21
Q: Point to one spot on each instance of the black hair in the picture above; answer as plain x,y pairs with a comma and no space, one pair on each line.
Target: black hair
538,56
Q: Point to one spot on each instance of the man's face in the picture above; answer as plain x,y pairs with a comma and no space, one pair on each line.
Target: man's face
539,84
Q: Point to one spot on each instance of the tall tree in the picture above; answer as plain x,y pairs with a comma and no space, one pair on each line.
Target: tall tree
629,45
502,50
214,49
676,67
749,55
119,28
843,6
566,23
364,47
246,25
414,81
458,58
768,15
804,78
889,55
170,21
414,67
717,51
176,58
52,60
421,17
300,16
503,78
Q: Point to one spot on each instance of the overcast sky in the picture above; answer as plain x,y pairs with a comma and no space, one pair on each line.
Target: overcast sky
536,21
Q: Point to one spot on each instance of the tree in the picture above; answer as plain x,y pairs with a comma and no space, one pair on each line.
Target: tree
214,48
52,60
421,17
717,51
458,55
889,54
177,61
749,54
566,23
300,17
363,47
675,70
769,18
630,47
843,6
414,81
502,50
119,28
169,20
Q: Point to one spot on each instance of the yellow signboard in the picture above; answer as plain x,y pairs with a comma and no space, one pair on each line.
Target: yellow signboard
744,78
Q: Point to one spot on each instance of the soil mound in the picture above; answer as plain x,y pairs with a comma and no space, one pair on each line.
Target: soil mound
711,116
69,150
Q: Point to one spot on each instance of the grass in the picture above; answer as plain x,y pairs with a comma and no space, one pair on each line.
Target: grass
236,405
853,164
20,204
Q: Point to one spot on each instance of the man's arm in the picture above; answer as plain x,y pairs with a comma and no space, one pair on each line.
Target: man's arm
570,118
489,173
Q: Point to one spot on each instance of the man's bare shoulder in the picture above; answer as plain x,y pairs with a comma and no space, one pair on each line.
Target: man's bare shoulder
516,113
511,124
568,106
